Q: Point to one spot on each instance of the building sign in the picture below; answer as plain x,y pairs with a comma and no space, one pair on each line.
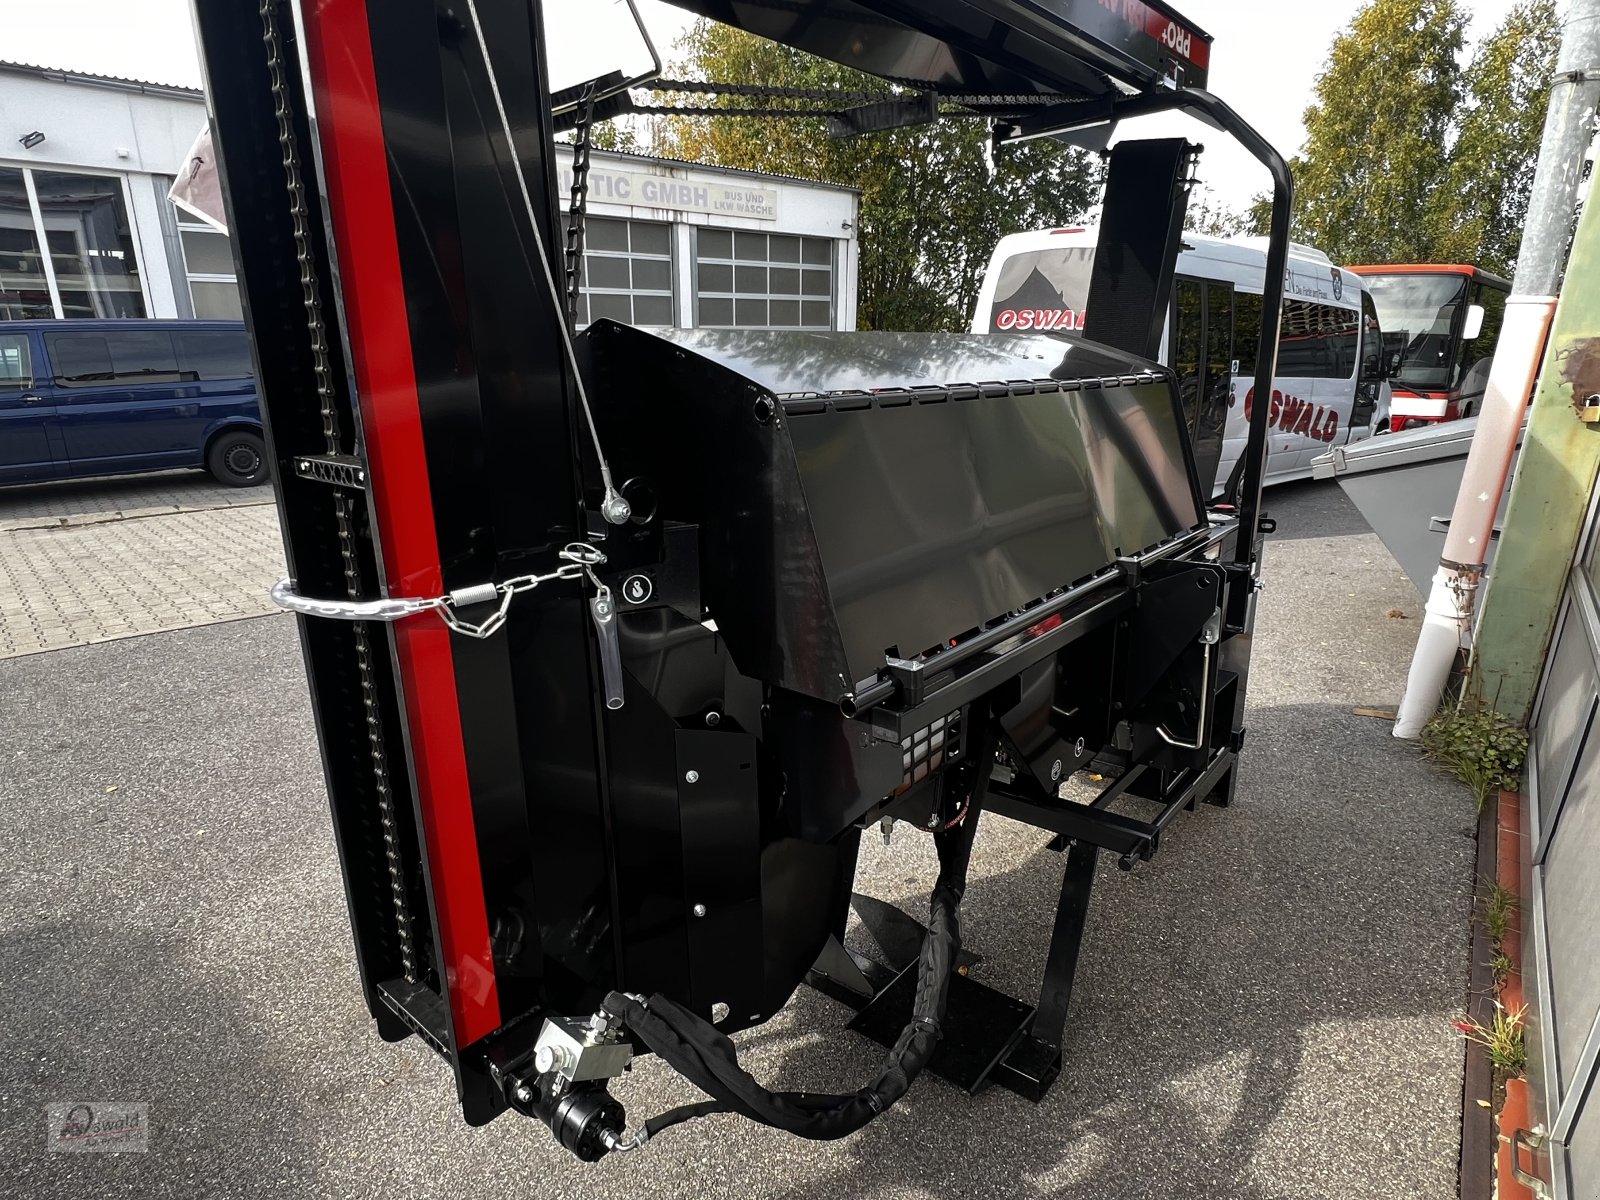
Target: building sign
609,185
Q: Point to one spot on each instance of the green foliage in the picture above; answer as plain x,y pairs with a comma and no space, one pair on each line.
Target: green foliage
1479,746
1379,130
1498,907
1479,212
930,212
1411,158
1502,966
1207,214
615,135
1502,1039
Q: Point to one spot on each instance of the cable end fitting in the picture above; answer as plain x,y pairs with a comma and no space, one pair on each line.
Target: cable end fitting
614,508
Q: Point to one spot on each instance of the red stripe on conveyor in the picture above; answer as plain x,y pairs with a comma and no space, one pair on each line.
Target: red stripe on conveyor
350,125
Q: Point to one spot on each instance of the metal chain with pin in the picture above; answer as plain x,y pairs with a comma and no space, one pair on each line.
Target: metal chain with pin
579,560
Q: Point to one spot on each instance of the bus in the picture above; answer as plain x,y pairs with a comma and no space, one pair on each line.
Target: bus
1441,322
1328,390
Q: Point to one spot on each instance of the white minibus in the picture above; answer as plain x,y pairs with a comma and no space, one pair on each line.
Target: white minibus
1328,390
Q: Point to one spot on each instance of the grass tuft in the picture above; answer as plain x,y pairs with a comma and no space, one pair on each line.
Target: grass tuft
1502,1040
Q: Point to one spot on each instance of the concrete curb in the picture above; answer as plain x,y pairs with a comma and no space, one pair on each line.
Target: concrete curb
105,518
1513,1115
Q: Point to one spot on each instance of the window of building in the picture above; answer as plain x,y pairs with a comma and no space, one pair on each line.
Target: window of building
81,221
627,272
208,262
762,280
119,356
91,244
24,290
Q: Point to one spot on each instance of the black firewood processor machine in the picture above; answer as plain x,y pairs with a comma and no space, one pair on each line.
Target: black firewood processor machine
618,640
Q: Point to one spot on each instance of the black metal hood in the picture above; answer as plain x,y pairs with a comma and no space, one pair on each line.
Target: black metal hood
864,497
1078,49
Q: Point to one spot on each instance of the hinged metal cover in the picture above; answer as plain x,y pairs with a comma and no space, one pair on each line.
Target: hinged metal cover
865,496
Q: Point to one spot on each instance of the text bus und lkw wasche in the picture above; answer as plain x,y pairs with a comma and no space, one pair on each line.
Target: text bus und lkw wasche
116,397
1326,392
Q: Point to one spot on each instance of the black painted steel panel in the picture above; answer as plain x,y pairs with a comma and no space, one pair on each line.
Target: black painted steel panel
1070,47
933,519
908,489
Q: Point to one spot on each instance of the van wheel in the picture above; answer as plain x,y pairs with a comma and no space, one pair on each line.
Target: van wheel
238,458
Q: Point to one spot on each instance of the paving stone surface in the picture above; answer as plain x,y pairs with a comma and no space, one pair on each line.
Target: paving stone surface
93,562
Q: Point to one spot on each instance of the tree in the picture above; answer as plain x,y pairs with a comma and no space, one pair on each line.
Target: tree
1410,158
1479,213
930,211
1379,133
1209,215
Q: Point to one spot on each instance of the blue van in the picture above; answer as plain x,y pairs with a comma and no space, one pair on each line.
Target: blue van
107,397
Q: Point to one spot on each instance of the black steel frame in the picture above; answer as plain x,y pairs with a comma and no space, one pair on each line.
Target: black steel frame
414,202
993,1037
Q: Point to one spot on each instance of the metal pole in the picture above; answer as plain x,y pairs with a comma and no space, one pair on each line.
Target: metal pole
1569,125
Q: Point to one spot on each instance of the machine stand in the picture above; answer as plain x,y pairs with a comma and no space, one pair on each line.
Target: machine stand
989,1037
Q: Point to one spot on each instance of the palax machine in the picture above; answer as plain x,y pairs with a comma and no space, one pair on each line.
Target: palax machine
618,640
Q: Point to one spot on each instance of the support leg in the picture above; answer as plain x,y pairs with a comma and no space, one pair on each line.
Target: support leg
1222,794
1072,912
1033,1065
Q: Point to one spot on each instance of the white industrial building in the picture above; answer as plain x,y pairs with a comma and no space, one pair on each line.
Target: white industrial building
86,161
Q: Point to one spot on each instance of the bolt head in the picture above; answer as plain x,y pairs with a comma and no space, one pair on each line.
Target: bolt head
699,910
713,719
524,1094
544,1061
691,776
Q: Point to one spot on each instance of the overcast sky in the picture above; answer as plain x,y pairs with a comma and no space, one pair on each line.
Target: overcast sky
1264,62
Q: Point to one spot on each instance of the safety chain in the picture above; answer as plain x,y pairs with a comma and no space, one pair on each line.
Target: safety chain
577,209
579,559
705,87
344,503
708,110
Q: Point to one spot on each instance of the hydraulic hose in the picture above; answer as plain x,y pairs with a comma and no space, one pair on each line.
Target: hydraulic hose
707,1058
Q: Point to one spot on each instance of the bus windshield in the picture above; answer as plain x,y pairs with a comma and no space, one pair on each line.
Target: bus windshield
1418,315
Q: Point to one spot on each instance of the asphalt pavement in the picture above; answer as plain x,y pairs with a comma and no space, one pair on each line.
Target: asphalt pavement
1262,1011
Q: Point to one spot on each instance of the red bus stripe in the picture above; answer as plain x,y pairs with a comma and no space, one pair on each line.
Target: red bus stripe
351,127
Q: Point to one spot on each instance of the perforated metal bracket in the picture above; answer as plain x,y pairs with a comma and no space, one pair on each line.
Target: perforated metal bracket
336,470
